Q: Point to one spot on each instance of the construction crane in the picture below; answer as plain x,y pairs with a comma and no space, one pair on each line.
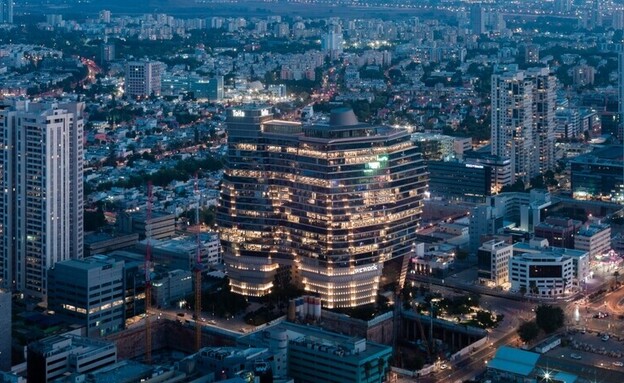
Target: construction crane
148,282
197,270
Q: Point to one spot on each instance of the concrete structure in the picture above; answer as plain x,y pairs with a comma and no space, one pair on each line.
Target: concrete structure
5,330
547,271
523,120
454,180
512,365
171,287
332,42
142,78
501,171
42,173
493,262
102,243
558,231
456,336
329,243
90,292
594,238
107,52
531,53
512,122
477,19
311,354
436,147
52,357
161,225
521,211
181,252
544,123
227,362
6,11
599,174
433,260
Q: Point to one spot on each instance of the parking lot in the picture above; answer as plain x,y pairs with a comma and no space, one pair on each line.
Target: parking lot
590,349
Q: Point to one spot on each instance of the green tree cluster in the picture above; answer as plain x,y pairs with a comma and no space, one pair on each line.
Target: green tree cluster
549,318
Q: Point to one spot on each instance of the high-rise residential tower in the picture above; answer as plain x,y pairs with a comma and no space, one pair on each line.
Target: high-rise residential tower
6,11
477,19
621,86
41,177
333,206
523,120
544,122
512,122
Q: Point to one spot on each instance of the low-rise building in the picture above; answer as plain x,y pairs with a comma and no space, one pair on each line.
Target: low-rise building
546,271
493,262
52,357
161,224
171,287
594,238
559,232
311,354
181,252
102,243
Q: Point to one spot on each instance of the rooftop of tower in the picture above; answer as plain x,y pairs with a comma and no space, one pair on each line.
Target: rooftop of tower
343,116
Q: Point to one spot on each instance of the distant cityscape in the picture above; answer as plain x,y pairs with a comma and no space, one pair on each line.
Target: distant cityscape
312,191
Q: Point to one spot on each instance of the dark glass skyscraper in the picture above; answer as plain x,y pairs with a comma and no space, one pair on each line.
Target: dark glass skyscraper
327,205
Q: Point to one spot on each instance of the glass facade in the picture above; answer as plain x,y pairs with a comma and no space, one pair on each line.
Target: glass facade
330,202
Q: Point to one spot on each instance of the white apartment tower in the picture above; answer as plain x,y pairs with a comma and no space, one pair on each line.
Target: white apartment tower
544,122
142,78
523,120
512,122
41,177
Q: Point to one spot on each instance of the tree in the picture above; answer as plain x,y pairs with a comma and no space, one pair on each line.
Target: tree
518,186
523,290
616,274
528,331
549,318
94,220
461,255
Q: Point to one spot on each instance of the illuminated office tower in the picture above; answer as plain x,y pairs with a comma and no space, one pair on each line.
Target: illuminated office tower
41,175
333,206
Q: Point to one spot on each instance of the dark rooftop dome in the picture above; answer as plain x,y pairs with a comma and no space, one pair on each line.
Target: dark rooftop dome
343,117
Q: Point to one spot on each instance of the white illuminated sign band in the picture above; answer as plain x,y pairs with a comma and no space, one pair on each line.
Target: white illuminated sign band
264,112
238,113
365,269
474,166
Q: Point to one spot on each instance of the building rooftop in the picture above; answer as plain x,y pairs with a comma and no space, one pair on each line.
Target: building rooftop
347,347
89,263
58,343
609,155
514,361
124,371
592,229
548,251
